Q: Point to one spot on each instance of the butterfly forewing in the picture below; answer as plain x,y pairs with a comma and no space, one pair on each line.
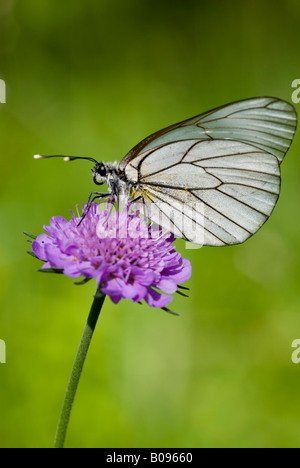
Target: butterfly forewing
266,122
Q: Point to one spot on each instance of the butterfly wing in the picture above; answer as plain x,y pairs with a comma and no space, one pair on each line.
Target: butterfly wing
214,179
210,192
265,122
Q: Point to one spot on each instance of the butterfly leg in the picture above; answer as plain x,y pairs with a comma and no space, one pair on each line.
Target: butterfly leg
97,195
91,200
145,213
141,198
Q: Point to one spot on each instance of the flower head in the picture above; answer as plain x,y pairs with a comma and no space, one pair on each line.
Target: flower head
127,256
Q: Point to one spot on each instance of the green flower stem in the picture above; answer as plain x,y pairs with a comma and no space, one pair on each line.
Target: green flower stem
77,369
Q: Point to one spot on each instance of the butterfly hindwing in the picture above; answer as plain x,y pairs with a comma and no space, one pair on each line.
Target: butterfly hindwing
210,192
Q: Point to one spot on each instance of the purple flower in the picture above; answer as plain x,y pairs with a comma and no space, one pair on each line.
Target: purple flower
129,258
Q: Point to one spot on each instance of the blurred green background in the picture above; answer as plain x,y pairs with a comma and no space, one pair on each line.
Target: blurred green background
94,78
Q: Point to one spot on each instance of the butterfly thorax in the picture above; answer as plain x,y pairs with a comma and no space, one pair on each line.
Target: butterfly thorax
118,184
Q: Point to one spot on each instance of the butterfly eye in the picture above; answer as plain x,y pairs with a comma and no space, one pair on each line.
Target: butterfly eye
101,170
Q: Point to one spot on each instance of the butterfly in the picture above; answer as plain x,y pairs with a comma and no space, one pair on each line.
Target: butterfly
213,179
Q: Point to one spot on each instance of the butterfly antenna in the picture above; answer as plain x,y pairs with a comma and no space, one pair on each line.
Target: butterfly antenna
65,158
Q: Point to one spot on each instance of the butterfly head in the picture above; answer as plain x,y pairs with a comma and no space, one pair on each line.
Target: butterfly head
100,173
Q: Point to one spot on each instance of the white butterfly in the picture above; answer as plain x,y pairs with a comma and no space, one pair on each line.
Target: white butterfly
213,179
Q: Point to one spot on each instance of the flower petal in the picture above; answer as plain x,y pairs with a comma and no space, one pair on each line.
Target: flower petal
167,285
54,256
38,246
155,299
182,274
